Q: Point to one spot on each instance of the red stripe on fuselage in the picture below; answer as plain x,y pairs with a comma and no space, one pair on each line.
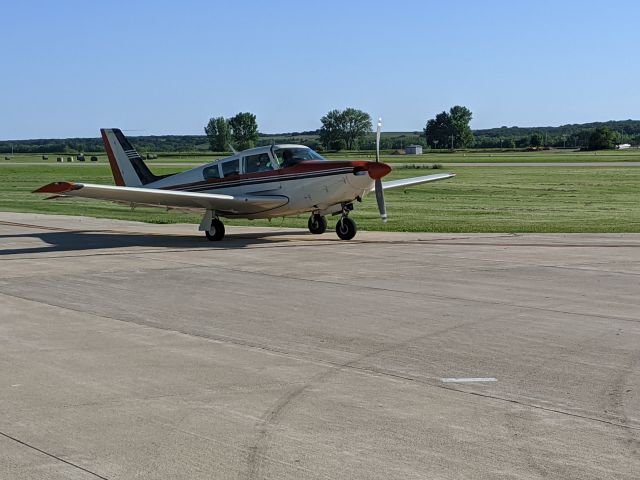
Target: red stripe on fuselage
305,167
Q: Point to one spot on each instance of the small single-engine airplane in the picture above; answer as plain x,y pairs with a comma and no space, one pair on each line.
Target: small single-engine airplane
264,182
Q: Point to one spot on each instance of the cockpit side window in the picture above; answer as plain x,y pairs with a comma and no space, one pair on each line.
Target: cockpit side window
231,168
260,162
211,171
289,156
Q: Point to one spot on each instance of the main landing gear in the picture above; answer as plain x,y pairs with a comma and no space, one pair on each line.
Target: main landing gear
317,224
216,230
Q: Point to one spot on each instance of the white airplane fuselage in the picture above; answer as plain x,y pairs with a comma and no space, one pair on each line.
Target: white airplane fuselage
320,186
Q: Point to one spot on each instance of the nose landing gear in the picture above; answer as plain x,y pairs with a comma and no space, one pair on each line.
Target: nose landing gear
346,228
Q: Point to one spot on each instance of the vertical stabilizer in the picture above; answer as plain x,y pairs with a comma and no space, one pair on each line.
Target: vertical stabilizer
127,165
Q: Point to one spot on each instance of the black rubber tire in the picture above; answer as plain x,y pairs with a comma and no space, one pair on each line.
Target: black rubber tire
346,228
317,224
216,232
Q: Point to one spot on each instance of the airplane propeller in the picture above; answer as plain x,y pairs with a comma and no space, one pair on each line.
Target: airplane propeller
379,192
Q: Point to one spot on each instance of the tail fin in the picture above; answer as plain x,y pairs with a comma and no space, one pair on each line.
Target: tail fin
127,165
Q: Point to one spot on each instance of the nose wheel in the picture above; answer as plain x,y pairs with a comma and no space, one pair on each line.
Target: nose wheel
216,230
317,224
346,228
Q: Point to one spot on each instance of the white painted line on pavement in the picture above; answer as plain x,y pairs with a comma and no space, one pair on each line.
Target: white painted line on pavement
468,380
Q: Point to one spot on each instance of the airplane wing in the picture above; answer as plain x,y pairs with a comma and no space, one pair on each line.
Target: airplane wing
405,182
167,198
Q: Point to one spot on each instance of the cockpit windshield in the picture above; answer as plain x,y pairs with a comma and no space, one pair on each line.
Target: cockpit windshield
288,156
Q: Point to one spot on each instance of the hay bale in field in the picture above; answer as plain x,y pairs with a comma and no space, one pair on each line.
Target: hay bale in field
94,159
45,157
69,159
7,158
59,159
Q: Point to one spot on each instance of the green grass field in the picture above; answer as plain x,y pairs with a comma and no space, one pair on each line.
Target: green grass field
479,199
546,156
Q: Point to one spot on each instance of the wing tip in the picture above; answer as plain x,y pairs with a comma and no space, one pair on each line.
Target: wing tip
58,187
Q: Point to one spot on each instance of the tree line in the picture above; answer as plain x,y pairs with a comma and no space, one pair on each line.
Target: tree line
352,129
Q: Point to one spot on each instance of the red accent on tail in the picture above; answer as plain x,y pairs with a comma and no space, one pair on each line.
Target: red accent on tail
117,174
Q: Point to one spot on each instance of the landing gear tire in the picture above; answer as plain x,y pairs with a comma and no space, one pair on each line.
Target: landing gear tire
216,231
346,228
317,224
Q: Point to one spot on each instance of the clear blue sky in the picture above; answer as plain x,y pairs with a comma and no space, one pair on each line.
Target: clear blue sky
166,67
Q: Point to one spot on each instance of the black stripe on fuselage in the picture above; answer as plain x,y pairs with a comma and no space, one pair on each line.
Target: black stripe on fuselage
255,181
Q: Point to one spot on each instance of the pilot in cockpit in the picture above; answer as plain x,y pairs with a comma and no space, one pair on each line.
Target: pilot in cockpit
287,158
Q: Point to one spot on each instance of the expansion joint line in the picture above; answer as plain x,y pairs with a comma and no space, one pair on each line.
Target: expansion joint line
14,439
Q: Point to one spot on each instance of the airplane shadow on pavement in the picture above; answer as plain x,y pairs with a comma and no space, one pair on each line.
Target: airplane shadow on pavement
82,240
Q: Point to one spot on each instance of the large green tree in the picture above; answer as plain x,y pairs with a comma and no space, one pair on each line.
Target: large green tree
460,118
450,128
602,139
218,134
331,130
356,125
536,140
438,130
244,130
345,128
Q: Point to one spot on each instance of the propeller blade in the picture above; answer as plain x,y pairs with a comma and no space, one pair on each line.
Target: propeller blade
380,198
382,208
378,139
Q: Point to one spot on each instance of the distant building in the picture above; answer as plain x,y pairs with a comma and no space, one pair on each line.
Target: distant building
413,150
